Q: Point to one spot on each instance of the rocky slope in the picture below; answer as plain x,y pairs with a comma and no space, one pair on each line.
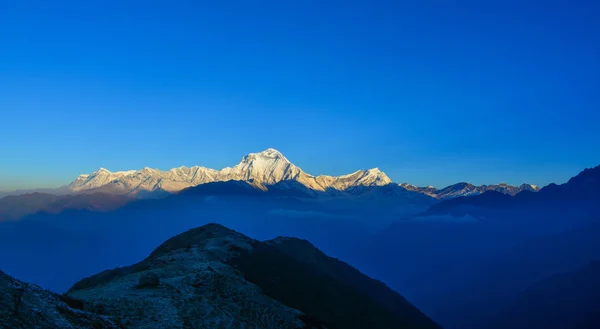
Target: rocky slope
27,306
213,277
344,274
193,287
262,169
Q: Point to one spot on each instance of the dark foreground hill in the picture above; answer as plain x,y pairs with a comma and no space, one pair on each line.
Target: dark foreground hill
213,277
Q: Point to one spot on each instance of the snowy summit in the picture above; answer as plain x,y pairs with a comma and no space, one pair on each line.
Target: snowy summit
261,169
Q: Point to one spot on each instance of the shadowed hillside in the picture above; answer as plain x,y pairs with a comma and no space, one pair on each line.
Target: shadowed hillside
563,301
197,279
294,271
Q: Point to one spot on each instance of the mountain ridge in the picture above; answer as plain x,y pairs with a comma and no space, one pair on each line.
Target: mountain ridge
214,277
264,168
582,187
266,171
261,169
467,189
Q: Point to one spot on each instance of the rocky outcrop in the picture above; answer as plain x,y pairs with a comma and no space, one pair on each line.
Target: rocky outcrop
27,306
193,287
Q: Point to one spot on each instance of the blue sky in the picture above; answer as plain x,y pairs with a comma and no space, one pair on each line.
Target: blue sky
432,92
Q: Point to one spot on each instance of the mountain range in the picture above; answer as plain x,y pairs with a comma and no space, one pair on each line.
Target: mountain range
259,169
581,187
263,171
468,189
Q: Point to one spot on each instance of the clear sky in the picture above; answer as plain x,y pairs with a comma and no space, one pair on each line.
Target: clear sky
431,92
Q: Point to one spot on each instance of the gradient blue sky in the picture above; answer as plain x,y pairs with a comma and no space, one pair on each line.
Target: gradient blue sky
431,92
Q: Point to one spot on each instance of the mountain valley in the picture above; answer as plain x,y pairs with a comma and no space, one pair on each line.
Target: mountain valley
463,256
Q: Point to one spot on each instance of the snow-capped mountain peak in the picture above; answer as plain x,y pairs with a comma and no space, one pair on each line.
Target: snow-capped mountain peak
374,171
429,190
375,175
468,189
268,153
264,158
264,168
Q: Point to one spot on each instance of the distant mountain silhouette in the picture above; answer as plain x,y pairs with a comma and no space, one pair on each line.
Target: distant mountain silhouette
467,189
289,188
15,207
62,190
229,188
485,249
563,301
490,199
583,187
